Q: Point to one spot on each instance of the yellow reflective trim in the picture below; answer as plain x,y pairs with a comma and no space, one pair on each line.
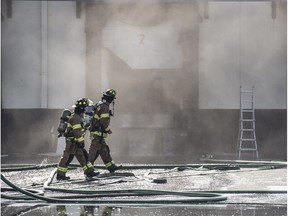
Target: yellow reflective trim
96,116
62,169
85,167
89,165
69,125
111,163
104,115
76,126
98,133
80,139
108,164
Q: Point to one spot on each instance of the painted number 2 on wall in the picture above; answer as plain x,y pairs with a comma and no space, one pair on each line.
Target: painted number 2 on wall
141,41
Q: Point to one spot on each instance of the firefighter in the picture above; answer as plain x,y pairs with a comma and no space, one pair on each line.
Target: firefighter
99,130
75,143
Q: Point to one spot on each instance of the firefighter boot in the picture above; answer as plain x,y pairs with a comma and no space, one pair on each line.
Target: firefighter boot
62,177
91,174
114,167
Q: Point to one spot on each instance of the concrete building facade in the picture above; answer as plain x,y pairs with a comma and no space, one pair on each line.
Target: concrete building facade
177,67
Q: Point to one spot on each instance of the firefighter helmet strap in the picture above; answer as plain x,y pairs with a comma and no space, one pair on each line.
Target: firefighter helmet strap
113,108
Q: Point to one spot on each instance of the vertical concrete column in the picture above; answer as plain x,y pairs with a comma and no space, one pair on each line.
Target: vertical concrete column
93,51
190,44
44,54
97,15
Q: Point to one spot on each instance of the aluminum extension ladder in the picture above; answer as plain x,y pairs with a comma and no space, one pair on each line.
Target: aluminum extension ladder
247,136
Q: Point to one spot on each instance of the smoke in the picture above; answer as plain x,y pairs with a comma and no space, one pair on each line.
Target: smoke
168,62
241,44
152,62
144,57
228,43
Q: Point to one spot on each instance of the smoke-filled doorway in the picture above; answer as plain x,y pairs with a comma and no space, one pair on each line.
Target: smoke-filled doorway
151,61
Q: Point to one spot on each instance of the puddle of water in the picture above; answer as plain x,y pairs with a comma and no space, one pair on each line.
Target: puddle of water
196,210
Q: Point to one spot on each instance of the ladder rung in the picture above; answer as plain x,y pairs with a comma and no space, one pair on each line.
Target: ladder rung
248,120
246,91
247,110
247,149
247,129
246,139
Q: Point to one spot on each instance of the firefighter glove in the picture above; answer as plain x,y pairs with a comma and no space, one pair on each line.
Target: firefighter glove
111,113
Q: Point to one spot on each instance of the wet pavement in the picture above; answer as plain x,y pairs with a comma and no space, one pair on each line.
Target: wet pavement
145,189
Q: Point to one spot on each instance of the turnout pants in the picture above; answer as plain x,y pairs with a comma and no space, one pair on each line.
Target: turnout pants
72,149
99,147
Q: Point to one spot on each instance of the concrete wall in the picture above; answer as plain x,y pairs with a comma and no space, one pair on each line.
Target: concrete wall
43,55
21,56
170,106
242,43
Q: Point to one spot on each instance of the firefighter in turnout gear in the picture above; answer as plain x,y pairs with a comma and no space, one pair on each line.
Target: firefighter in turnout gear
75,143
100,129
